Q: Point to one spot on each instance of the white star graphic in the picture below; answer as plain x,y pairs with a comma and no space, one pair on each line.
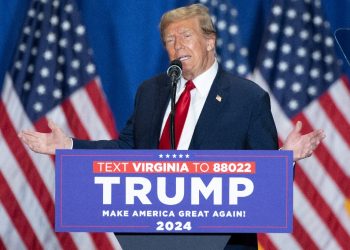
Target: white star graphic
54,20
44,72
59,76
57,93
41,89
90,68
65,26
68,8
38,106
80,30
72,81
48,55
51,37
75,64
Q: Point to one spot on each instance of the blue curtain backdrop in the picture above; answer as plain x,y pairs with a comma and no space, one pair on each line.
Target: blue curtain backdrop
125,38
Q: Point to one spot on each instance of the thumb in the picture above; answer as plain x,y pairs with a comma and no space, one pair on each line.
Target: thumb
52,125
298,127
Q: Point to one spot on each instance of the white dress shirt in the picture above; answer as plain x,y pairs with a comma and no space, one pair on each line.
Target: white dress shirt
199,94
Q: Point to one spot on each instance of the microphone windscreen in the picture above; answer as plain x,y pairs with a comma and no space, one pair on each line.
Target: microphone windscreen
176,62
175,69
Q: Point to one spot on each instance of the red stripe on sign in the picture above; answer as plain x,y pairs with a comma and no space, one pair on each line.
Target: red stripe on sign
33,177
17,216
338,120
327,160
266,242
302,236
101,107
322,209
74,121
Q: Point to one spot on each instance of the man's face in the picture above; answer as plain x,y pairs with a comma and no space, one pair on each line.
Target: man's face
184,40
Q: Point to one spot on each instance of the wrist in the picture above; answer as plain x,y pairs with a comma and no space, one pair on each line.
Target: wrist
68,143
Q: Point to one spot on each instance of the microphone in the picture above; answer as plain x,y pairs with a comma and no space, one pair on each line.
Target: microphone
175,70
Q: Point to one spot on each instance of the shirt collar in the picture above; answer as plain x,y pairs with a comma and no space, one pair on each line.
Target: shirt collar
204,81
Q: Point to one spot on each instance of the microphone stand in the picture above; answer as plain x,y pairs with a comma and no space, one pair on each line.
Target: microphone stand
174,81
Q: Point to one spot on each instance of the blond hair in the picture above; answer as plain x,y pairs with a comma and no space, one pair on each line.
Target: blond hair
194,10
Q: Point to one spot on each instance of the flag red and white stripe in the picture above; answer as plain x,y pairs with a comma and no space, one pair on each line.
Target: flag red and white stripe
322,182
27,178
52,77
305,84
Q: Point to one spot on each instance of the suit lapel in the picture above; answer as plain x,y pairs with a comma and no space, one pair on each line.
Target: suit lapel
161,104
211,110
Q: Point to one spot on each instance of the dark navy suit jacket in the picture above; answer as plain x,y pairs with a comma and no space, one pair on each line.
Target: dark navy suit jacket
236,115
241,120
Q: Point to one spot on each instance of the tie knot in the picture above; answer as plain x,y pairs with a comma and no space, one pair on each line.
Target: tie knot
189,85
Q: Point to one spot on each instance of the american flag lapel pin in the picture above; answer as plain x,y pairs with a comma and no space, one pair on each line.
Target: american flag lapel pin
218,98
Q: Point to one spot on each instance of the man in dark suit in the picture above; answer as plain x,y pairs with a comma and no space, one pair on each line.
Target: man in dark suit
223,112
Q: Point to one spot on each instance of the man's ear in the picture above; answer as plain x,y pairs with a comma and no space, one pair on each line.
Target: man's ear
211,43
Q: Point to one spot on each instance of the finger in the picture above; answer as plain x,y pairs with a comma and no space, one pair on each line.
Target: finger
20,134
307,153
31,134
322,134
31,137
29,141
23,138
35,148
317,136
314,135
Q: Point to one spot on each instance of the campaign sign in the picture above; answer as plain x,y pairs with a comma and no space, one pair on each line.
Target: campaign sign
159,191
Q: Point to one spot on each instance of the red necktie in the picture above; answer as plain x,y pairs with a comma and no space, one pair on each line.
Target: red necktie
181,111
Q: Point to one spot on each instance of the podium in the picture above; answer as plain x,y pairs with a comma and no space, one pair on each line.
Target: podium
157,199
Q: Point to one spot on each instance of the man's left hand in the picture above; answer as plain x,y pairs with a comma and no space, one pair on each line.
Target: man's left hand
303,145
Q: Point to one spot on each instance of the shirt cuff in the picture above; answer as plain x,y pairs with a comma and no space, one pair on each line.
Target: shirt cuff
71,142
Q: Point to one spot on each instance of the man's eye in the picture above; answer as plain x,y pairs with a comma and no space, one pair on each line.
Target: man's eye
169,41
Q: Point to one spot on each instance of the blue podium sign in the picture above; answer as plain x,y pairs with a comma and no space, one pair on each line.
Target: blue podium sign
159,191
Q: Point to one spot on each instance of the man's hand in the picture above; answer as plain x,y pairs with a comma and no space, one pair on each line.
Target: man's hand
46,143
303,145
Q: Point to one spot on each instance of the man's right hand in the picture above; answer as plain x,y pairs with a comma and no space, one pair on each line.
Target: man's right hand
46,143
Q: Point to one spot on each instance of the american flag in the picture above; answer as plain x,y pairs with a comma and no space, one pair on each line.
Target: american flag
52,77
231,53
298,66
